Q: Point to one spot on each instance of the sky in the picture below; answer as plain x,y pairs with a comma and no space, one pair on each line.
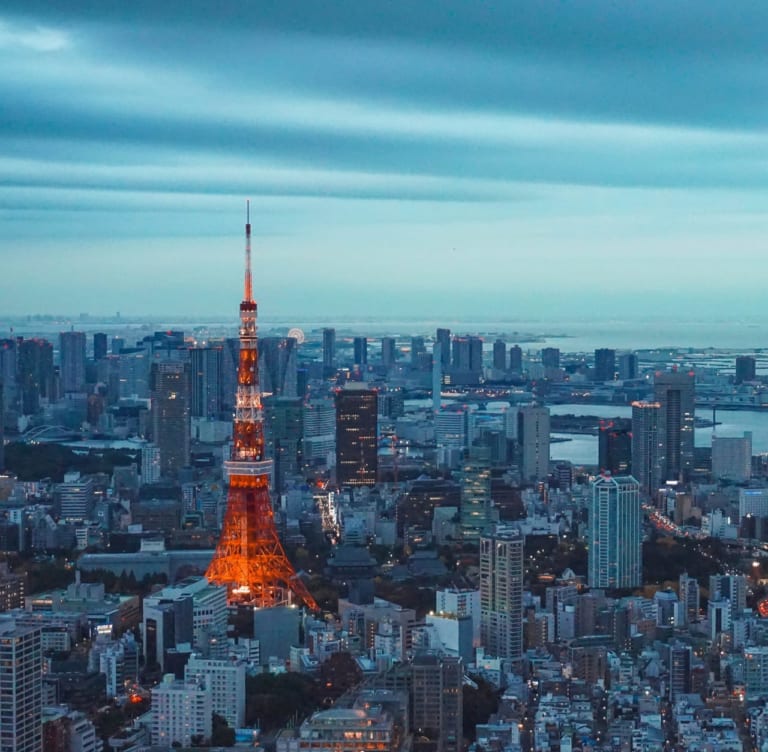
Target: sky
515,158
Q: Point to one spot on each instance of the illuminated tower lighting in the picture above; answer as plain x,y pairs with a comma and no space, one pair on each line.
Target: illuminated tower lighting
249,559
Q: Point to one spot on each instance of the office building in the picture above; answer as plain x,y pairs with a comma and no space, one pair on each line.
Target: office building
646,449
516,359
550,357
21,686
226,680
329,348
605,365
690,599
283,434
756,672
72,361
418,351
500,355
150,464
388,352
615,446
230,356
182,711
680,670
443,338
437,682
8,371
278,368
731,588
360,351
746,369
476,508
615,533
732,457
206,381
467,355
628,368
76,497
533,442
170,415
36,378
100,348
675,393
501,594
437,376
356,436
319,433
753,502
452,427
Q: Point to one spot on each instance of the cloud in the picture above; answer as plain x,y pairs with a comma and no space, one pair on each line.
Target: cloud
35,38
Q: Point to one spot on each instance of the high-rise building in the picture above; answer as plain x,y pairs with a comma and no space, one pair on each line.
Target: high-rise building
360,351
690,598
680,670
756,672
675,393
452,427
628,369
476,509
615,446
8,371
418,350
72,360
437,376
283,434
731,588
227,683
732,457
170,415
646,450
388,352
182,712
443,336
501,594
500,355
533,442
99,346
746,369
605,364
229,359
516,359
550,357
35,373
615,533
21,688
76,497
206,381
437,682
150,464
329,348
467,354
278,367
356,436
2,427
319,433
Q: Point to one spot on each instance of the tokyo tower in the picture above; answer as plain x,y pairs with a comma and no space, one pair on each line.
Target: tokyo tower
249,557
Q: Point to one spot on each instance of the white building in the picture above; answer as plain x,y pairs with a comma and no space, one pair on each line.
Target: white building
150,464
533,426
753,502
460,603
732,457
226,680
181,712
75,497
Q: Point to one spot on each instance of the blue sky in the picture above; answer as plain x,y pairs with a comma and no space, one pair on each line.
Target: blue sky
438,157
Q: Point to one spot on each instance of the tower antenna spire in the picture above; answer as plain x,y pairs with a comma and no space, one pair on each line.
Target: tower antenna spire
248,295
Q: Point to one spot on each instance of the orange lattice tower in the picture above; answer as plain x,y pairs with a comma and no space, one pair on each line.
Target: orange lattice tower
249,558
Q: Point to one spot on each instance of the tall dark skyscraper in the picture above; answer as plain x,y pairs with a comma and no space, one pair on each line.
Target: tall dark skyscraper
2,428
646,450
418,349
516,359
615,446
388,352
443,336
206,381
500,355
675,393
745,368
229,358
278,367
283,434
72,360
360,348
170,414
467,354
605,364
99,346
36,374
8,370
329,348
550,357
628,366
356,436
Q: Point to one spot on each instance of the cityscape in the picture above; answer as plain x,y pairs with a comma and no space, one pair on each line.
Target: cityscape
383,377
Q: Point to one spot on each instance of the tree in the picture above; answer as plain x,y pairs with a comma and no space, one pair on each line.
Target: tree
222,735
337,675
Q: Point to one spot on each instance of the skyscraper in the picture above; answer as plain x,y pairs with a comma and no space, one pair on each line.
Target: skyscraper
615,446
500,355
206,381
675,393
418,349
501,594
21,687
99,346
72,360
615,533
360,351
533,442
329,348
388,352
356,436
550,357
8,370
745,369
627,366
36,374
443,336
605,364
516,359
278,368
690,598
283,431
467,354
646,451
170,414
476,505
438,701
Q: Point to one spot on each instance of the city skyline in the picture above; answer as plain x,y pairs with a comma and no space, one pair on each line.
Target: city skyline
478,147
